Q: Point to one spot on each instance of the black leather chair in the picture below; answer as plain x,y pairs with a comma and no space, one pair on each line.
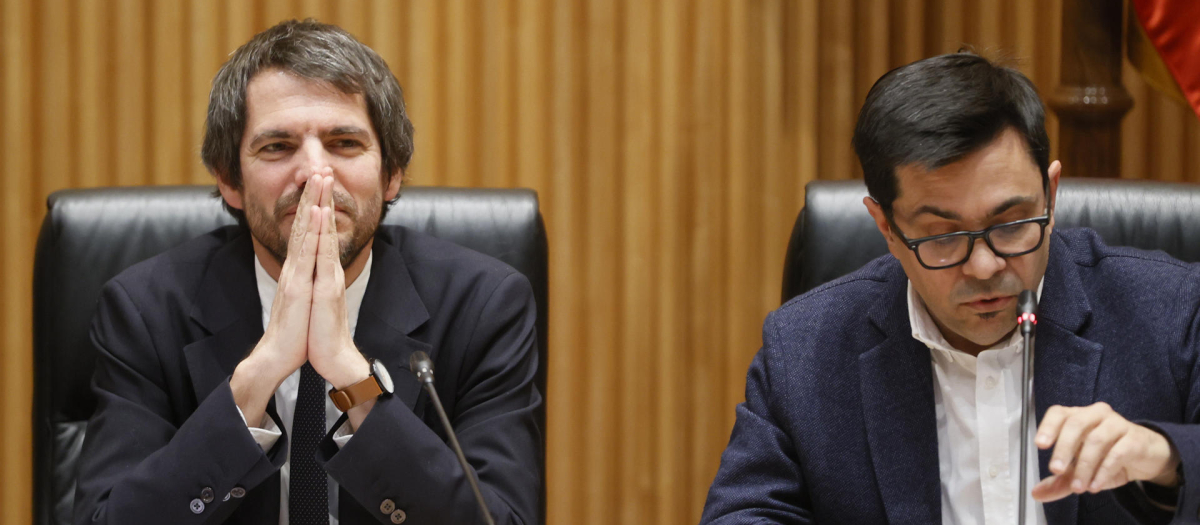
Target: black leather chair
834,235
89,236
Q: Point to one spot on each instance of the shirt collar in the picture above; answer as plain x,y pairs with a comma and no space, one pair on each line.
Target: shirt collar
926,331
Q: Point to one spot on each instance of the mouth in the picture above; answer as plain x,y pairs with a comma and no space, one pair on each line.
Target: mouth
991,304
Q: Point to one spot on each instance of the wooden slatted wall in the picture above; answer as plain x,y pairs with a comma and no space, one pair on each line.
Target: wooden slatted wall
669,140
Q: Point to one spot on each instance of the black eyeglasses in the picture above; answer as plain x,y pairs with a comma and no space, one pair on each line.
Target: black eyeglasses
1010,239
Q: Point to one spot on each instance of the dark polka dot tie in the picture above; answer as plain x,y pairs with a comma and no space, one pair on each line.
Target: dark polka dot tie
308,496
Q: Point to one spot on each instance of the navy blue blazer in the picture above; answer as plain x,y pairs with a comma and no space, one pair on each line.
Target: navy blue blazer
170,330
838,425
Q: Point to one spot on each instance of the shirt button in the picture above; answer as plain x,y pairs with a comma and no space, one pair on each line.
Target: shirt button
387,506
993,472
238,492
990,382
398,517
206,495
197,506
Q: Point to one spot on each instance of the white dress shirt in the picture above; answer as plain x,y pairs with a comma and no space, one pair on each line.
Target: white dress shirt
978,404
285,395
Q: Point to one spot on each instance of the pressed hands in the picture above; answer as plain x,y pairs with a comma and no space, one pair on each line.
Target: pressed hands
308,317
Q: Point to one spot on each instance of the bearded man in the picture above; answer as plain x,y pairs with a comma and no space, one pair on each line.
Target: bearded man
258,373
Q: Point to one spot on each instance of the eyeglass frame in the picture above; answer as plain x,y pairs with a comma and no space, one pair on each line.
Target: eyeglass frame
972,236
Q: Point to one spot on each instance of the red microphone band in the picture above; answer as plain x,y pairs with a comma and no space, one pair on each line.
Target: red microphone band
1026,317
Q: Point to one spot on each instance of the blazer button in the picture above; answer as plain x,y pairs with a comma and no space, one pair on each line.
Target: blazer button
226,498
206,495
387,506
197,506
238,492
398,517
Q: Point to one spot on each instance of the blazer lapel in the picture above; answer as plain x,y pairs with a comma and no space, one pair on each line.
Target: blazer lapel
227,306
391,310
896,385
1065,365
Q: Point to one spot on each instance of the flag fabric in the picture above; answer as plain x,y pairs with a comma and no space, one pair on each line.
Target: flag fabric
1173,29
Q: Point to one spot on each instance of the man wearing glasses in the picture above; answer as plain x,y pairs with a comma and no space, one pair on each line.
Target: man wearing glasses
892,395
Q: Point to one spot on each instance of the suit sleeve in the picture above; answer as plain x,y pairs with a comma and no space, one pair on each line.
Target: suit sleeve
138,464
759,479
1184,435
394,455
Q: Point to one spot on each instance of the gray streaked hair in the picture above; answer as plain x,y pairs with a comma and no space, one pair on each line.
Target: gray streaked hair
315,51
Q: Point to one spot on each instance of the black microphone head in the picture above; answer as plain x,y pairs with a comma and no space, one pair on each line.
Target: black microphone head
1026,303
420,365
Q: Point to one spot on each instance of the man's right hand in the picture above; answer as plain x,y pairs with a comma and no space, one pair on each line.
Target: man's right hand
284,345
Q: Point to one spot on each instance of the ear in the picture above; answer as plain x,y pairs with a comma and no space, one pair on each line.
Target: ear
233,197
885,227
1054,173
880,218
394,184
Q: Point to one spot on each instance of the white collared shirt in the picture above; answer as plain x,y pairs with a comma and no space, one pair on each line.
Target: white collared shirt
978,406
285,395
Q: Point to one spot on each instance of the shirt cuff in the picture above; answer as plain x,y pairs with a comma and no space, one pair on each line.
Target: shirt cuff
343,435
265,436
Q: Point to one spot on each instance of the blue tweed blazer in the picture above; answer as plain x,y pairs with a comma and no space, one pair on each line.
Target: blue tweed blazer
838,425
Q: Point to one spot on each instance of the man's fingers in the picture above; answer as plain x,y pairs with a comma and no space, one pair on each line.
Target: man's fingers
1051,425
1070,439
326,189
308,248
1096,446
1112,472
311,192
1052,488
329,260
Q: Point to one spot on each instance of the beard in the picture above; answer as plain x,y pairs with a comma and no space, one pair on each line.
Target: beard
267,225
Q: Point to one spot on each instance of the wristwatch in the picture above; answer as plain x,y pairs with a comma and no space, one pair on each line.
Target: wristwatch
375,385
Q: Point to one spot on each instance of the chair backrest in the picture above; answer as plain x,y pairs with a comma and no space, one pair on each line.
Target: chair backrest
834,235
89,236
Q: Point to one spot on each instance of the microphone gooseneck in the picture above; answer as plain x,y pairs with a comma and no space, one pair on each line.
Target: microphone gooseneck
1026,321
421,366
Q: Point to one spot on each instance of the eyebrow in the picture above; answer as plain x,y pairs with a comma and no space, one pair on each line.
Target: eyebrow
284,134
951,216
269,134
347,130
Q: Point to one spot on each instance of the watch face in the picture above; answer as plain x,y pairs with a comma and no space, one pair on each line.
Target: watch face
381,374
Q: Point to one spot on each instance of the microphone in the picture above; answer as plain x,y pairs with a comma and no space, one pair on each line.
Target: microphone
421,366
1026,320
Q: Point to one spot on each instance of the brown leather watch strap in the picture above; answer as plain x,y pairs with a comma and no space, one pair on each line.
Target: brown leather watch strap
356,394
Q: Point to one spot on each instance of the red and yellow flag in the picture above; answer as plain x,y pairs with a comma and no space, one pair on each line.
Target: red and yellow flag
1171,61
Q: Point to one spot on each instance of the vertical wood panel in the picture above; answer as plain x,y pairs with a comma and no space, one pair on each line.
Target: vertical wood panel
16,148
567,411
637,234
128,127
669,140
601,255
169,151
670,342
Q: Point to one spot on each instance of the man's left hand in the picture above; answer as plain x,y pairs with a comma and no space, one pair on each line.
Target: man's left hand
1096,449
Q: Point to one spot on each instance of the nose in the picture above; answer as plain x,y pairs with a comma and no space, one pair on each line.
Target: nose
983,263
311,158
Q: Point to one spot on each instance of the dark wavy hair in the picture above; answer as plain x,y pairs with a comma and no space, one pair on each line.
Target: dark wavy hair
935,111
311,50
